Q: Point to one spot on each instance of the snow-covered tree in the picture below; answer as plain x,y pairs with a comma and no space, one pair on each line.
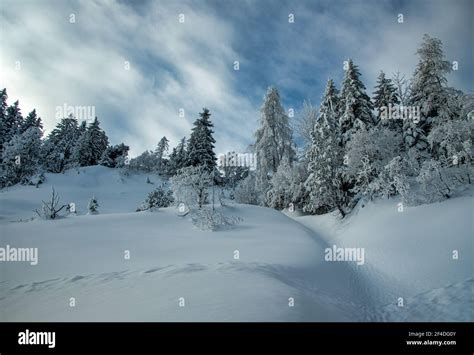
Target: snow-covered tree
59,145
246,191
368,151
144,162
91,145
286,187
201,143
115,156
32,120
274,140
428,92
93,206
385,96
325,158
392,181
21,156
177,158
356,107
160,151
160,197
190,185
305,123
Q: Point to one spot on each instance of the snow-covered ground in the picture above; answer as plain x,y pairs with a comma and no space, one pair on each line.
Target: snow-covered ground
270,267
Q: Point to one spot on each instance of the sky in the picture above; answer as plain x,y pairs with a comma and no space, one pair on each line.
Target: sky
147,68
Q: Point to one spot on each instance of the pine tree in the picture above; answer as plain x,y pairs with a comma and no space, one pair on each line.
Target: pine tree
325,158
385,96
201,143
274,139
115,156
356,107
32,120
11,122
161,149
3,123
93,206
428,92
177,158
59,145
20,157
91,145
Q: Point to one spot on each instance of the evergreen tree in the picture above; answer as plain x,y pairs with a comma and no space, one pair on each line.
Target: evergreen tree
20,157
32,120
91,145
178,158
161,149
201,143
356,107
274,139
385,96
428,92
11,122
59,146
115,156
93,206
324,158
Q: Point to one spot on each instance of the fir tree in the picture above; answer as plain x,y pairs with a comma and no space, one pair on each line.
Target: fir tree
161,149
201,143
177,158
91,145
93,206
325,158
59,145
385,96
32,120
20,157
356,107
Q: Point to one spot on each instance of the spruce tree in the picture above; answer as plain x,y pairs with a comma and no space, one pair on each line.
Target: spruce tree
324,158
91,145
59,145
201,143
356,107
32,120
385,95
161,149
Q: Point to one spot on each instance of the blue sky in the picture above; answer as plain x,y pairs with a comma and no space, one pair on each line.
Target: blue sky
190,65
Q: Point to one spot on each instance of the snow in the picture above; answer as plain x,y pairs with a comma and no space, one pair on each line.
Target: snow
279,258
409,254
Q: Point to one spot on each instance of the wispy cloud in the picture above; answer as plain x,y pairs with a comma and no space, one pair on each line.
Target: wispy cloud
189,65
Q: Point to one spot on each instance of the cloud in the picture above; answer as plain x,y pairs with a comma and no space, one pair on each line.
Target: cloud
189,65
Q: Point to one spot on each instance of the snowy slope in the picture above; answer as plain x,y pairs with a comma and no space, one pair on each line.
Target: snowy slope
83,257
409,254
280,259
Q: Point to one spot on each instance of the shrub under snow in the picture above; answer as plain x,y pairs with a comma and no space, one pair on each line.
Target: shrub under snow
160,197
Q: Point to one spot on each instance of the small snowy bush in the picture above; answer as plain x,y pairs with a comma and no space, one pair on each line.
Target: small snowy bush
93,206
160,197
246,191
208,219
